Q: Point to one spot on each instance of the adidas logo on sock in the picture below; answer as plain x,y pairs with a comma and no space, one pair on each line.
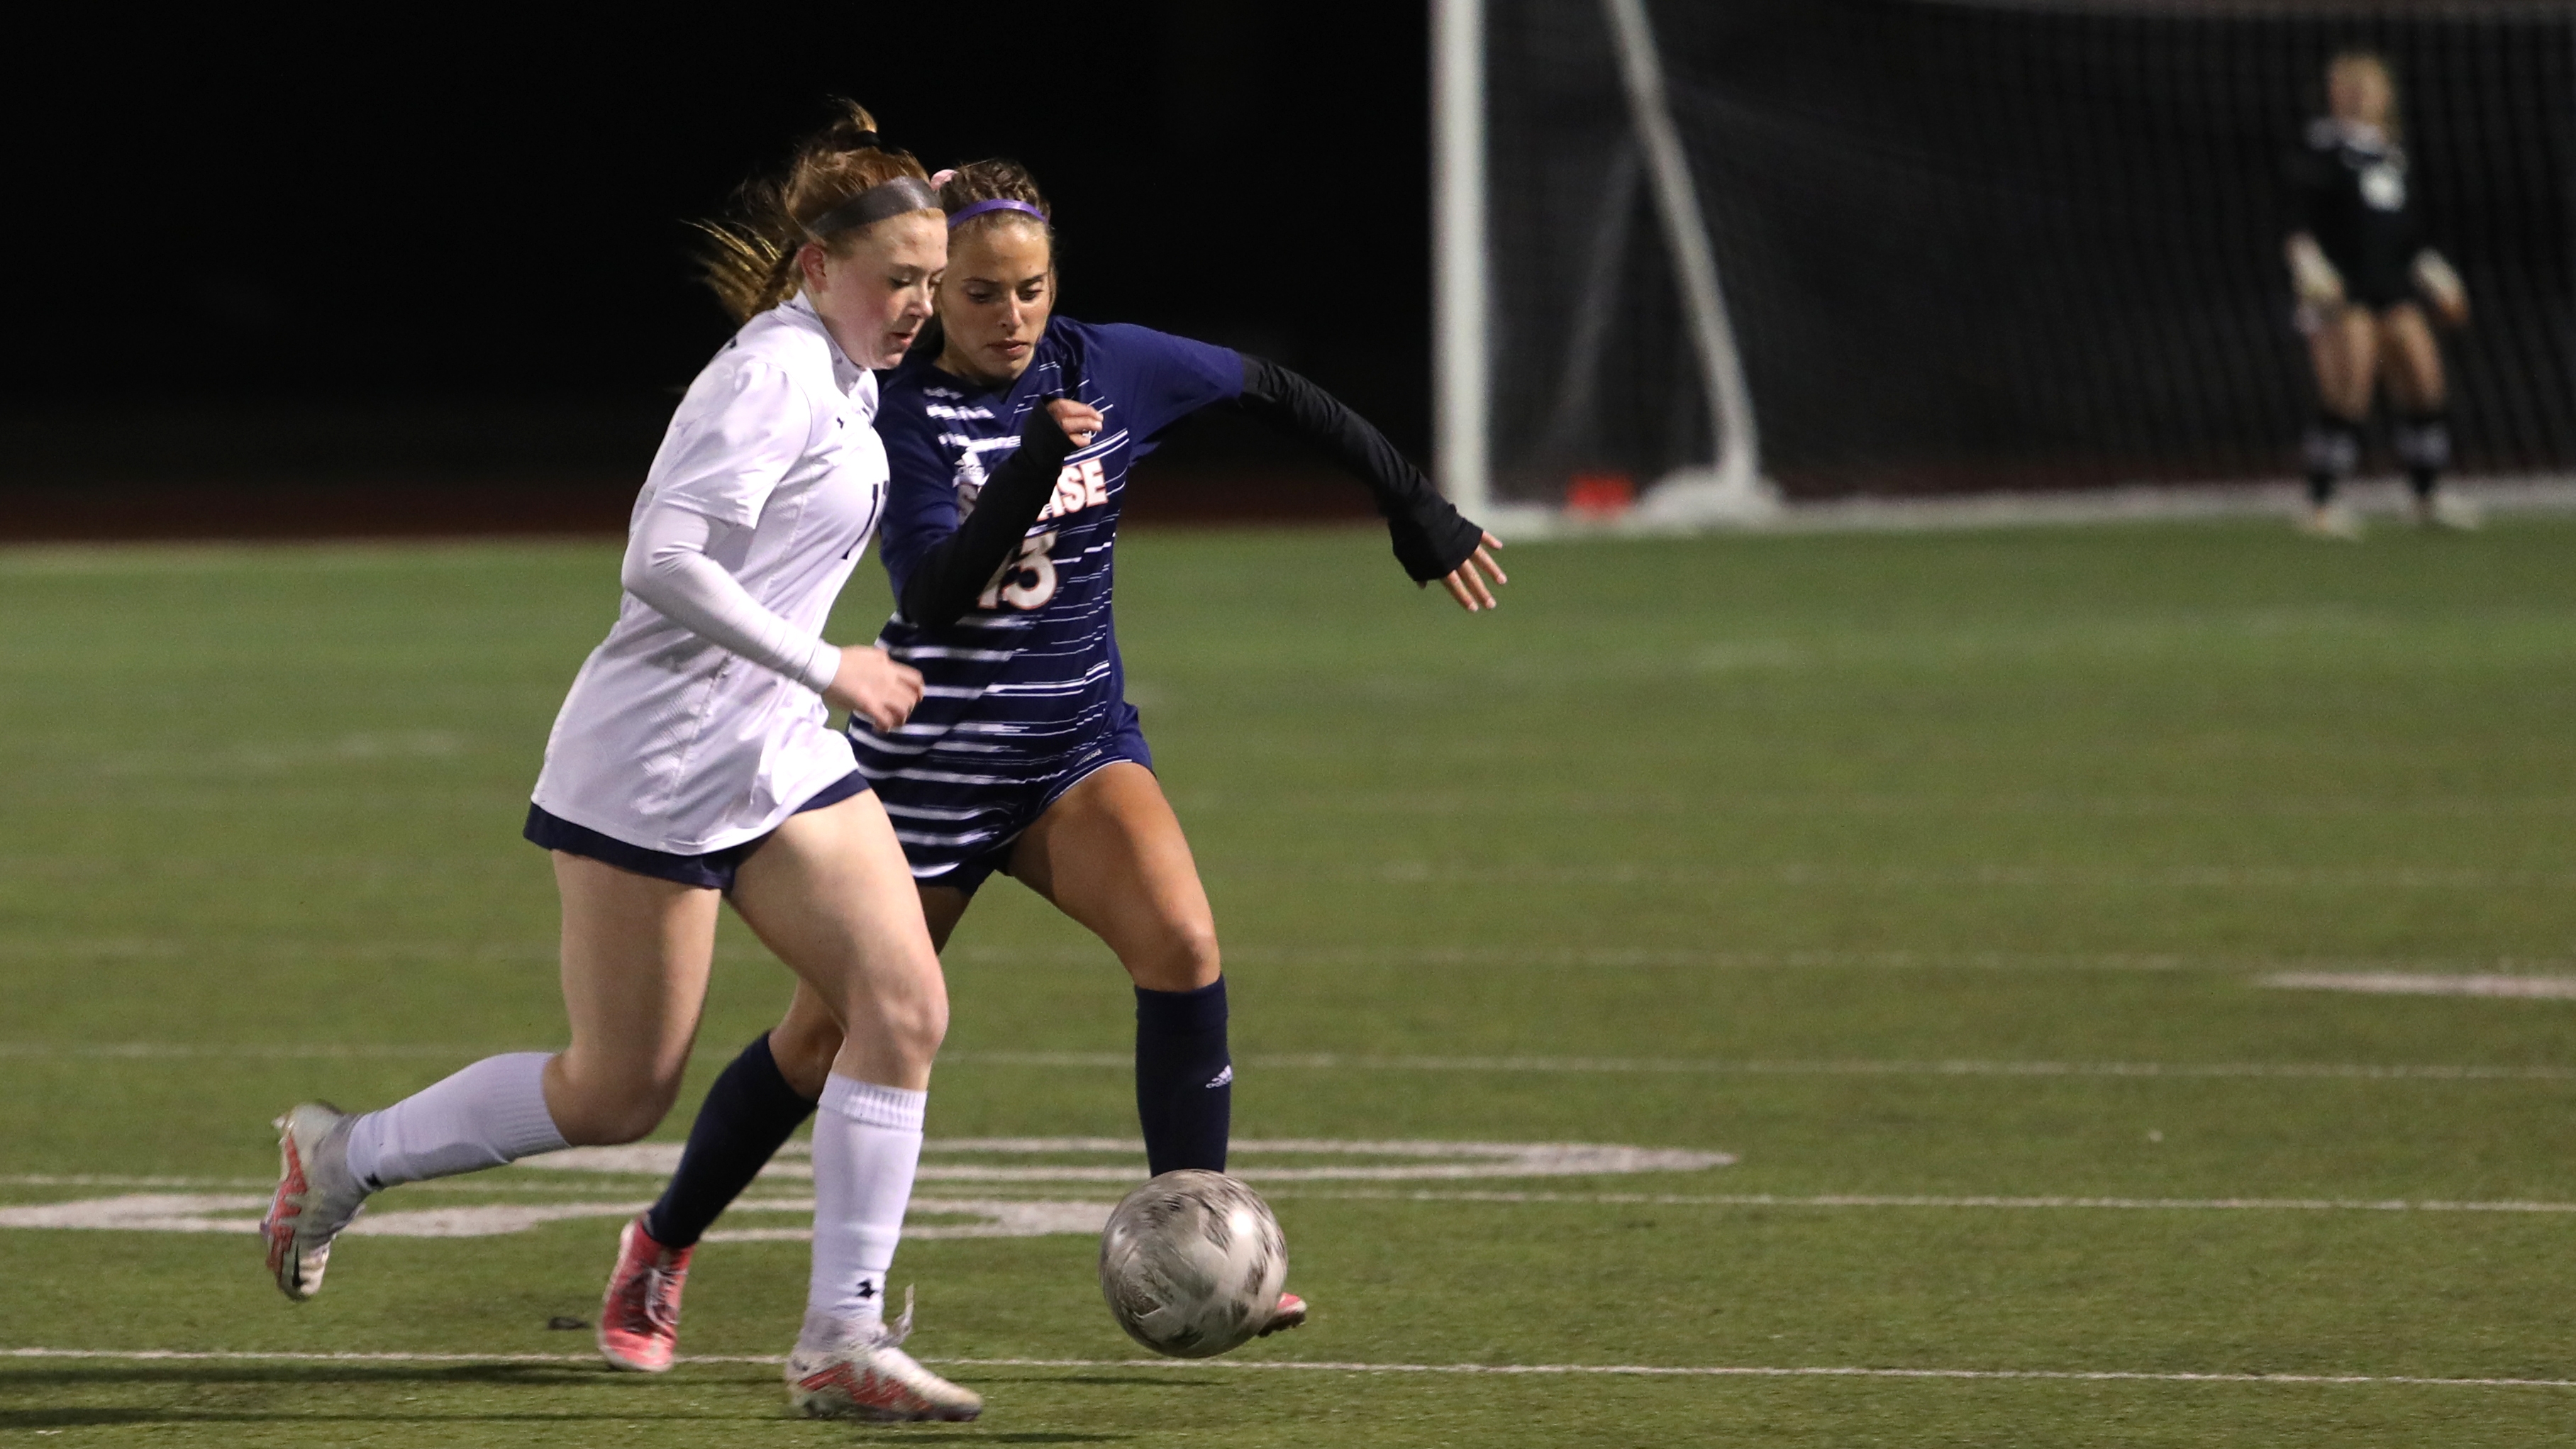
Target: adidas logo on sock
1222,1077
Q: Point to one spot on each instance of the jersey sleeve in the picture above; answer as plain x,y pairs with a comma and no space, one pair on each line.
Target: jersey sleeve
743,424
1157,378
921,491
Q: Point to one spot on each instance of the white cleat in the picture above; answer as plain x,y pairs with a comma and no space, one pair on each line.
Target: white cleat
2335,521
316,1196
862,1372
2450,511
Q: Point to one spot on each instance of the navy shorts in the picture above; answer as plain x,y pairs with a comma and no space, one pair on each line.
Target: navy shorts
956,834
713,870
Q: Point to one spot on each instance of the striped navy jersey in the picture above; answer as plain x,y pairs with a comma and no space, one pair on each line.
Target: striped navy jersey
1030,676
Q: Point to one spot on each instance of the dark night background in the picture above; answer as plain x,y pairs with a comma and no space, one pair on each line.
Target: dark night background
394,253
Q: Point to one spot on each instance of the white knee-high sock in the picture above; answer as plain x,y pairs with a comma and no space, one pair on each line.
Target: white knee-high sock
490,1113
867,1144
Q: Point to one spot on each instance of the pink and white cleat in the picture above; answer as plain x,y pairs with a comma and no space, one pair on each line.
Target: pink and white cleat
862,1372
1291,1314
639,1316
316,1196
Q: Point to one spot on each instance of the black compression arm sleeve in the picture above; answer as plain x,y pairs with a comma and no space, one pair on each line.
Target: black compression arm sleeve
944,584
1431,539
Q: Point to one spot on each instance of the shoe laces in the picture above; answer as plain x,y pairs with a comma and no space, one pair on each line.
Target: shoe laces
653,1296
660,1294
892,1335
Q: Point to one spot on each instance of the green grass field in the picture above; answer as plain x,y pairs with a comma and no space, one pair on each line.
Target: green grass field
1941,880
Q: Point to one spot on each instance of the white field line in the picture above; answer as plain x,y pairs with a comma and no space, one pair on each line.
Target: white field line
1288,1365
500,1185
1417,958
1702,803
482,1184
519,1218
1895,877
263,1051
1914,1200
1330,1061
2514,987
2400,983
1651,958
1419,1160
228,1213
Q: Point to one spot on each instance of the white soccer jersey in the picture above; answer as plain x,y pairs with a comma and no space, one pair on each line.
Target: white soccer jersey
667,741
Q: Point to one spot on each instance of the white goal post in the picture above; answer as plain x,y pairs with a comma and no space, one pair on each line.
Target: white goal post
1729,486
1692,259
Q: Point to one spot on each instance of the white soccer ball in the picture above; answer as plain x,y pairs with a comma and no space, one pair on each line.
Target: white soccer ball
1192,1264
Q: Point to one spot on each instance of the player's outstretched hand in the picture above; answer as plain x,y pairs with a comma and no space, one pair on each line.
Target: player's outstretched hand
1080,421
875,688
1467,585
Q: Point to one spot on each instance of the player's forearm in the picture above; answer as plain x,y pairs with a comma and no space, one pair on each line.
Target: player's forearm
942,586
668,568
1431,539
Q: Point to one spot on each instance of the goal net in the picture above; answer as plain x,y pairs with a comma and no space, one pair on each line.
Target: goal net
1820,248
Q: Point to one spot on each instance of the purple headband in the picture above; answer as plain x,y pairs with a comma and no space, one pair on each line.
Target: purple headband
979,208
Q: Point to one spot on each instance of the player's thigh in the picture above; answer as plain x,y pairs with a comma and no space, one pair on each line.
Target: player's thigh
1110,854
2344,351
830,893
2410,358
636,953
806,1040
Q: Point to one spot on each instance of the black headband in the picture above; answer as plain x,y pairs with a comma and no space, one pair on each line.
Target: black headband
892,198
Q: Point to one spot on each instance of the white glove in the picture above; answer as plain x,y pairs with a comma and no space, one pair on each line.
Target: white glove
2311,275
2439,283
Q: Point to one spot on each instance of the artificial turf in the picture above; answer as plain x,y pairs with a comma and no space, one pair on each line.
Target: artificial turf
1937,878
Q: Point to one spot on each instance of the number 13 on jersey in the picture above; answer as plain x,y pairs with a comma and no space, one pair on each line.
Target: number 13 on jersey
1026,581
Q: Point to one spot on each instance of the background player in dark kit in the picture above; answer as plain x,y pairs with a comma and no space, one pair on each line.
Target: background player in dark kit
2362,270
1025,756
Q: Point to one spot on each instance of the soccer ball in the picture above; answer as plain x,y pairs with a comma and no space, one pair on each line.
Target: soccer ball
1192,1263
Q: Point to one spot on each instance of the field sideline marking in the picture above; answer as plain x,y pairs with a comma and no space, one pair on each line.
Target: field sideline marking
1919,1200
1331,1061
1619,1370
1335,1061
1570,957
2499,1206
1998,874
272,1051
2409,983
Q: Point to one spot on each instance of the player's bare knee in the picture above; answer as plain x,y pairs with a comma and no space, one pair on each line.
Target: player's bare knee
918,1026
1184,961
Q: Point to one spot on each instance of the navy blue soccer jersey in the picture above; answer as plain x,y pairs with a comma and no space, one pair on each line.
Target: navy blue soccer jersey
1025,692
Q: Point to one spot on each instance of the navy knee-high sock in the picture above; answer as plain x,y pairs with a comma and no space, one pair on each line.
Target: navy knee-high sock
2331,451
746,1118
2424,446
1184,1077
